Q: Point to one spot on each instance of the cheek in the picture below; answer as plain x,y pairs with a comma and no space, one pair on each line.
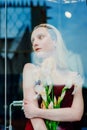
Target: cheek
50,46
47,44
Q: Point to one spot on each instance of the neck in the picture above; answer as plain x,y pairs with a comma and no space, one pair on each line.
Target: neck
40,57
44,55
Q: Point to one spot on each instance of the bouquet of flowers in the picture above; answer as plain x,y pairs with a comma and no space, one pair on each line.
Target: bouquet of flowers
49,101
45,88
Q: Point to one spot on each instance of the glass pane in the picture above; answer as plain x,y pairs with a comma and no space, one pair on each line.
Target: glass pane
69,16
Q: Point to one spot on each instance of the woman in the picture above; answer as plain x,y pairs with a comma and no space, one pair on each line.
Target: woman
53,67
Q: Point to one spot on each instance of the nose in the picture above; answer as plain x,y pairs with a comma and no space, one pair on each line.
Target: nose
35,43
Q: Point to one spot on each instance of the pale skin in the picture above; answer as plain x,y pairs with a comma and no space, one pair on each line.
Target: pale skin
41,41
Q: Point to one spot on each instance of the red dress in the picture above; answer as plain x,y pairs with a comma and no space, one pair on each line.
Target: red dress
67,102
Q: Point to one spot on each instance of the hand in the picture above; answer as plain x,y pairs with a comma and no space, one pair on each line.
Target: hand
30,109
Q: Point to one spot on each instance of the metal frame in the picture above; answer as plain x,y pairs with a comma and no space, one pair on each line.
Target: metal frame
15,104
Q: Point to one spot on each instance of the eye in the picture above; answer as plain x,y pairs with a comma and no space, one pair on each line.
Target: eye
32,40
41,36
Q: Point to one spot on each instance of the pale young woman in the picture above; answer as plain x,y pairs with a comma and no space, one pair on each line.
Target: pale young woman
57,62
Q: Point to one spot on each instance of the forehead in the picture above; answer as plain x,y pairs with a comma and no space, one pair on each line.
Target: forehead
40,30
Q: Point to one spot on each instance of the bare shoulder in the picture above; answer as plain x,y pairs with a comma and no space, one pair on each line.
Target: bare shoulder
76,78
28,79
28,67
72,73
75,75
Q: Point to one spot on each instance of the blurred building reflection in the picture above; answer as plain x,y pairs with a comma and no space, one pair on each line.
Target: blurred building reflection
22,16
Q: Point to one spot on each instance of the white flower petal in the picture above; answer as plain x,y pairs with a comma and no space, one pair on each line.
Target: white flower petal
50,105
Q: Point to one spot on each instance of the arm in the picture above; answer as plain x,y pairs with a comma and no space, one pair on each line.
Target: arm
29,94
73,113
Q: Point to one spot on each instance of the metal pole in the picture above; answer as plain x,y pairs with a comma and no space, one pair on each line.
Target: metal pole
10,117
5,64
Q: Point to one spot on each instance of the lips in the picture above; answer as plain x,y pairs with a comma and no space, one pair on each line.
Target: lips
37,49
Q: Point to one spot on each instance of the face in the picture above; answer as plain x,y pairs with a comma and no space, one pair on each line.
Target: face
41,40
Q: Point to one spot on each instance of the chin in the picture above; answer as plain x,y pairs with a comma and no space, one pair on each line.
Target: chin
42,54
